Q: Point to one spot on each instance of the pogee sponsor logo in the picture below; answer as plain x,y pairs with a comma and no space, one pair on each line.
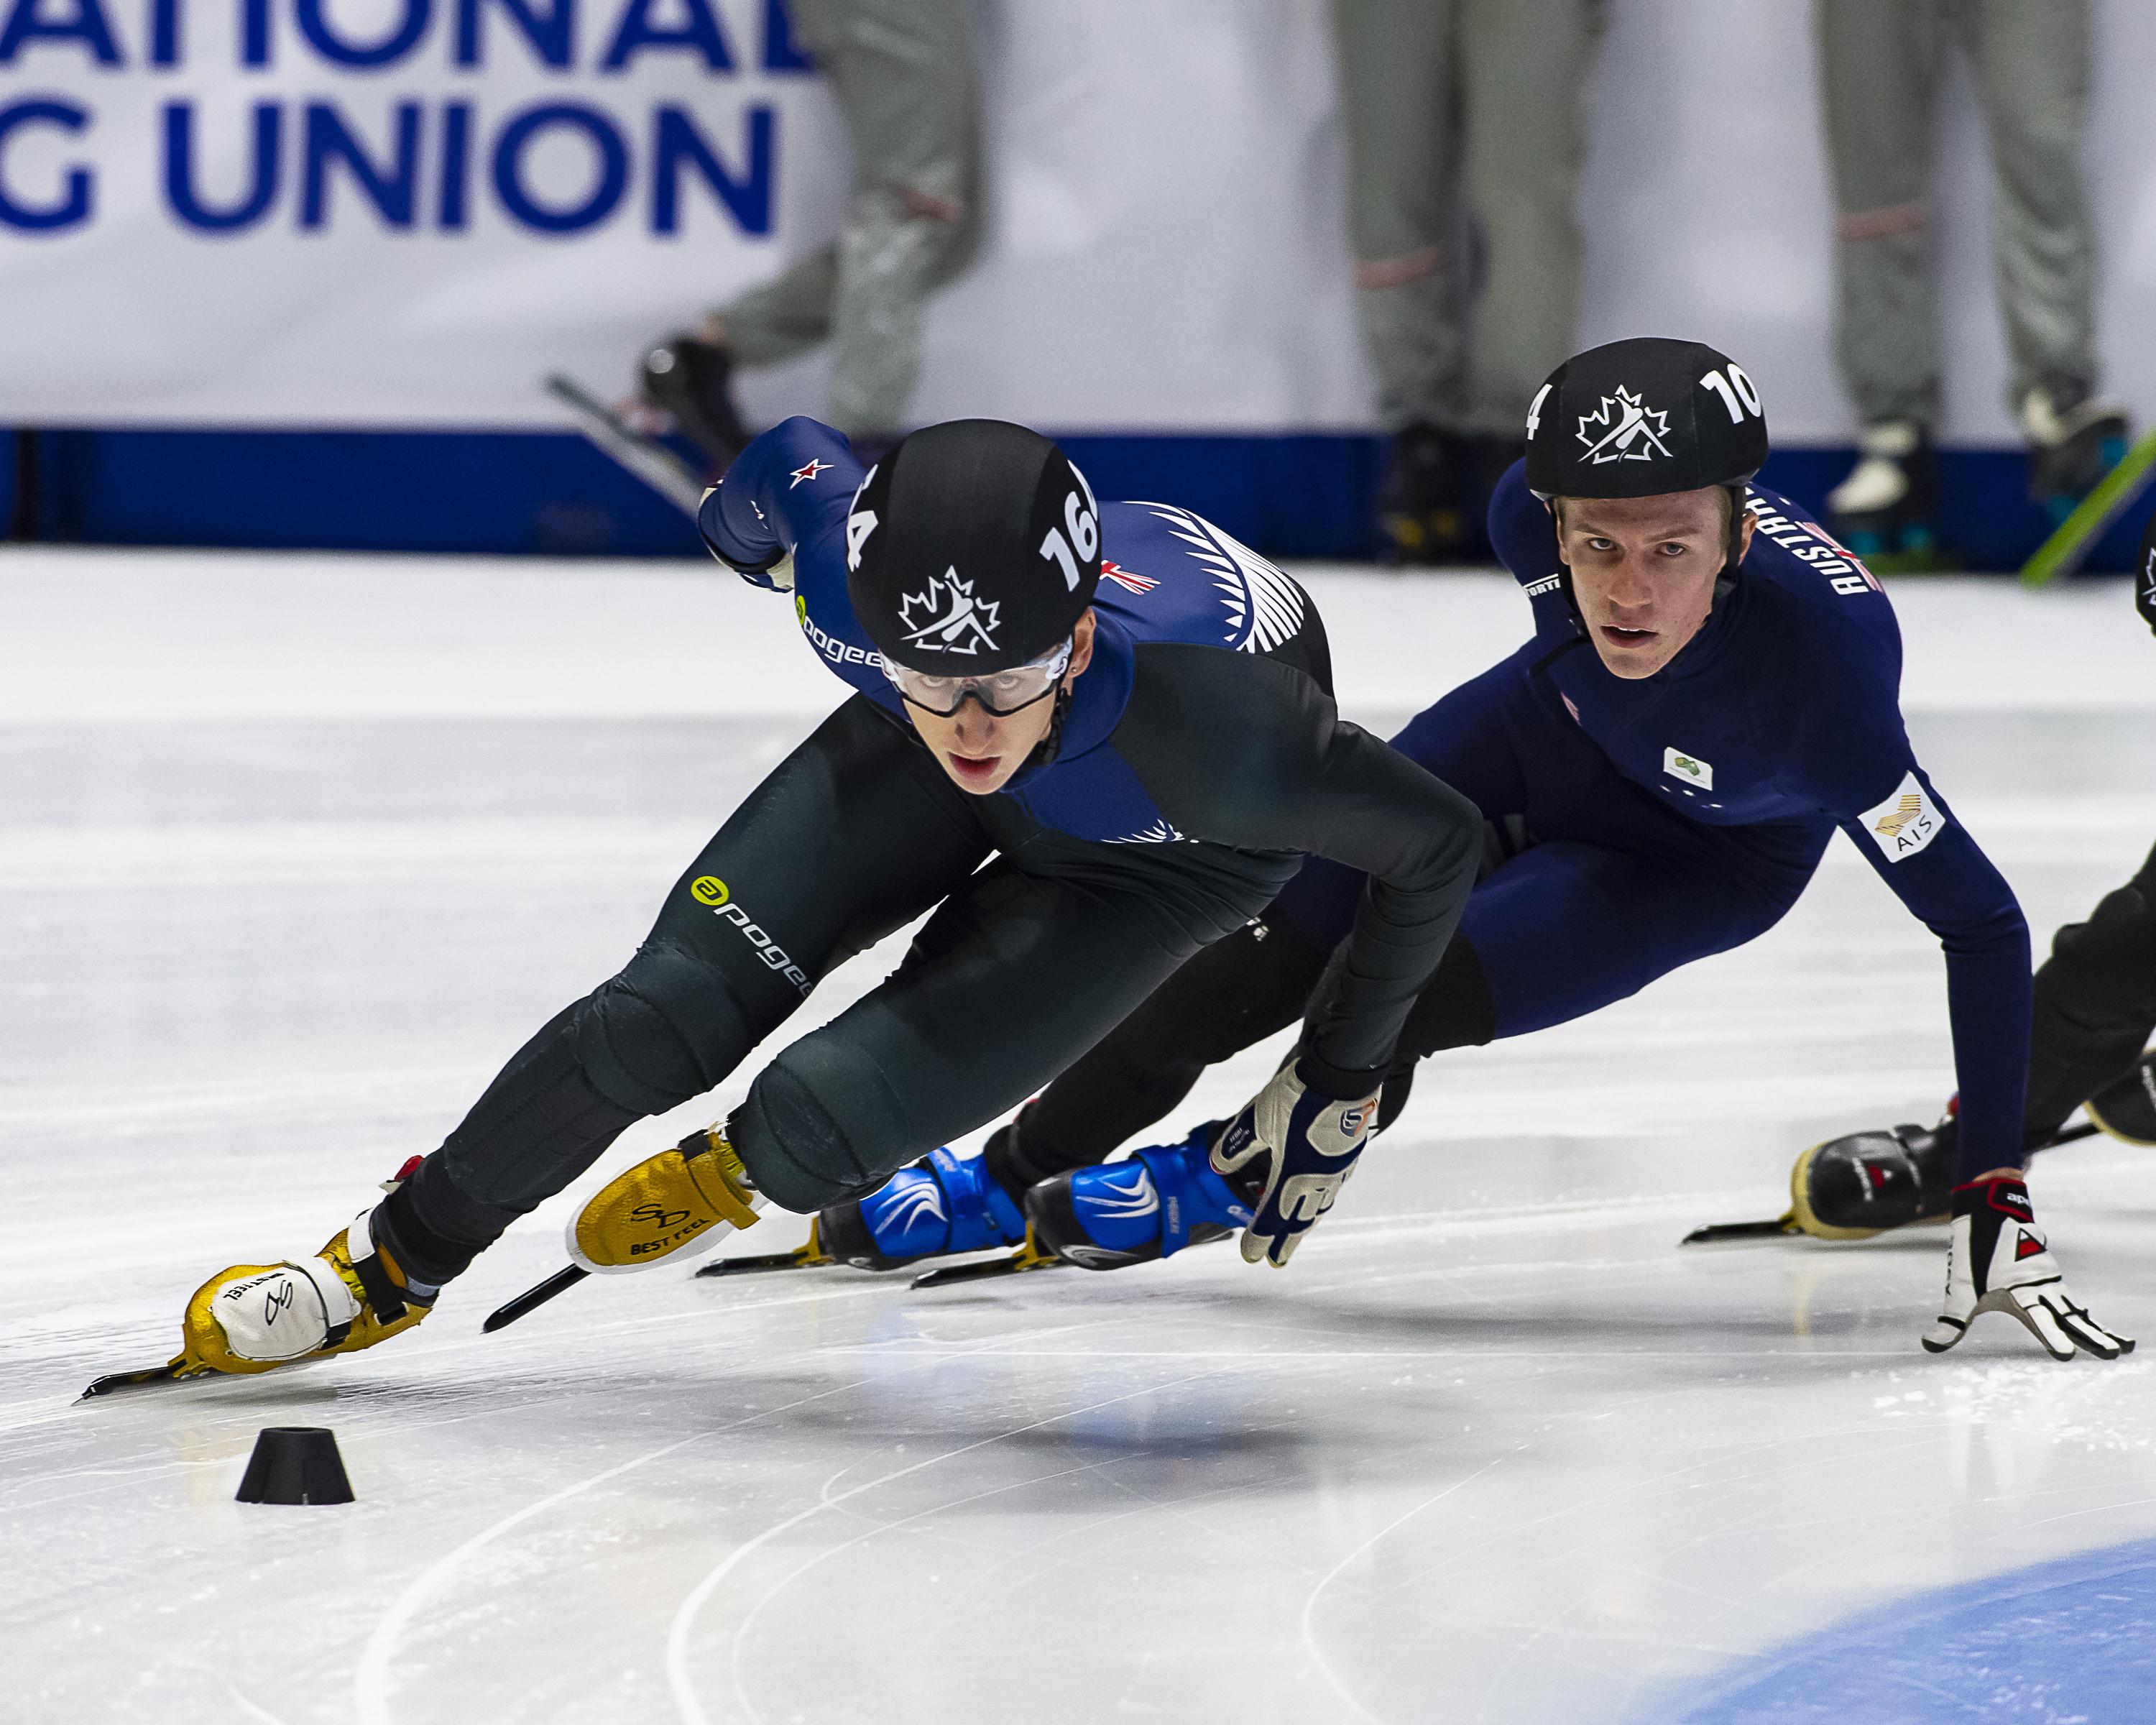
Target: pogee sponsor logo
829,645
710,891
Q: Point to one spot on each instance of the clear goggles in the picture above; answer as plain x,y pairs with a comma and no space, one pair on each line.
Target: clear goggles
1001,693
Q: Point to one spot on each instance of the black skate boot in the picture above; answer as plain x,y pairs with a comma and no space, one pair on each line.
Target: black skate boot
1856,1187
692,379
1425,505
1885,510
2126,1108
2074,440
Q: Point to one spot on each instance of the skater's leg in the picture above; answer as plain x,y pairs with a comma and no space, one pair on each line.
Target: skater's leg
855,834
902,73
1024,967
1569,927
1398,111
1529,70
1257,980
2096,1004
1878,70
785,316
2033,69
1237,991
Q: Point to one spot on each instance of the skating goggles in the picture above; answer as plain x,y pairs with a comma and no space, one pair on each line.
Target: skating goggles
1001,693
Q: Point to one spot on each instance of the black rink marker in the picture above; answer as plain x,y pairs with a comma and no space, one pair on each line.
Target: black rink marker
295,1463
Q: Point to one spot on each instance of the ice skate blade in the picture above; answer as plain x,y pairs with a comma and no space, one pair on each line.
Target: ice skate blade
1029,1256
1715,1233
650,460
560,1282
807,1256
114,1382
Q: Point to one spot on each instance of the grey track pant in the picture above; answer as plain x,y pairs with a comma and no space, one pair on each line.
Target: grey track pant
1474,102
1879,68
902,73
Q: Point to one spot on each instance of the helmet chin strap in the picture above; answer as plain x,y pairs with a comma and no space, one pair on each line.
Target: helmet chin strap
1050,745
1725,582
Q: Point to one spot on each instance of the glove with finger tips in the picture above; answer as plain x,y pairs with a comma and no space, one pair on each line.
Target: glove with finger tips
1310,1143
1998,1261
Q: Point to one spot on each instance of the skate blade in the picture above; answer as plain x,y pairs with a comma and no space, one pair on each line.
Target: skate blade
808,1256
1717,1232
651,461
1029,1256
113,1381
532,1298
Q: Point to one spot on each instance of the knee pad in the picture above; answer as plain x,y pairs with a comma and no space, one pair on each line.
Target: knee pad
668,1027
2103,971
816,1126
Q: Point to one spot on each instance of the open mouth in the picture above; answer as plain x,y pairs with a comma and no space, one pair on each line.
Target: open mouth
1620,636
976,767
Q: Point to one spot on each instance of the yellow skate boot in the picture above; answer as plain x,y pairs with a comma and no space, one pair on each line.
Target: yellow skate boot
255,1317
678,1202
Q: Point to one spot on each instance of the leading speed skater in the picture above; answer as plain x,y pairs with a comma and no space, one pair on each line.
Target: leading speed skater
1088,741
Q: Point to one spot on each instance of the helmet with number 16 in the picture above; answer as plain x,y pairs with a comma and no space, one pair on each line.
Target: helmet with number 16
972,548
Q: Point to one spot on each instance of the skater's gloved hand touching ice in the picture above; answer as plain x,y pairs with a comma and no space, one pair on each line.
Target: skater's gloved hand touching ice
1302,1146
1998,1261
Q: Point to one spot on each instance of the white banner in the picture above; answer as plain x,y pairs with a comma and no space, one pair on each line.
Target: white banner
404,211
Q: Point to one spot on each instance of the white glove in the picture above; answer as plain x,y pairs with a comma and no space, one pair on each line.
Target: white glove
1311,1142
1998,1261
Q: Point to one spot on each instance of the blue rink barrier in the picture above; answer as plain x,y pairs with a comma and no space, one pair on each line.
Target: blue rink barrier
1288,494
2071,1642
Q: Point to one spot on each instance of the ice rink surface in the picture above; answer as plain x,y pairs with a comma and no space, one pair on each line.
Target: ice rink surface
296,851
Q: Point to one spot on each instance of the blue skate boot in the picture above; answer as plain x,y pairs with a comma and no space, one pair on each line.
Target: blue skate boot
1152,1205
937,1207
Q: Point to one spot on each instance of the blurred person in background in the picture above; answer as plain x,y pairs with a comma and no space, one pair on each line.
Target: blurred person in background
1879,70
901,72
1466,124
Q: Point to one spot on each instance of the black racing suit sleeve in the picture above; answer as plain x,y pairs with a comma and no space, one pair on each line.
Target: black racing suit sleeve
1246,752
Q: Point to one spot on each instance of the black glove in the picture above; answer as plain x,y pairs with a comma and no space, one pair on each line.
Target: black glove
2144,577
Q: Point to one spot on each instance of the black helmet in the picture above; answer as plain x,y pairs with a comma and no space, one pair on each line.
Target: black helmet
972,546
1639,417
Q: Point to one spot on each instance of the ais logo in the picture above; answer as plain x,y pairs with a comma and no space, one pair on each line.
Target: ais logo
1906,821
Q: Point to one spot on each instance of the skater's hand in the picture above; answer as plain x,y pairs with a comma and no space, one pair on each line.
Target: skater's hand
1310,1142
2145,579
738,544
1998,1261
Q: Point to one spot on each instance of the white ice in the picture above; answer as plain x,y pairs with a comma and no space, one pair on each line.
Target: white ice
296,850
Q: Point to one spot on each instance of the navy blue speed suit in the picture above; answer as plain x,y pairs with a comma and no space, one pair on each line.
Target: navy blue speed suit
1636,826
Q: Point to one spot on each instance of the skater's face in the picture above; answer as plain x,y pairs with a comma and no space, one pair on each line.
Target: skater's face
981,750
1643,570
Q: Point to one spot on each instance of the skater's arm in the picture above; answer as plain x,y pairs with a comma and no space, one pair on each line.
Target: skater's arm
1242,752
1937,870
791,484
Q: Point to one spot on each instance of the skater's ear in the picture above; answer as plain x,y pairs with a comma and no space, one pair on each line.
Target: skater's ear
1082,647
